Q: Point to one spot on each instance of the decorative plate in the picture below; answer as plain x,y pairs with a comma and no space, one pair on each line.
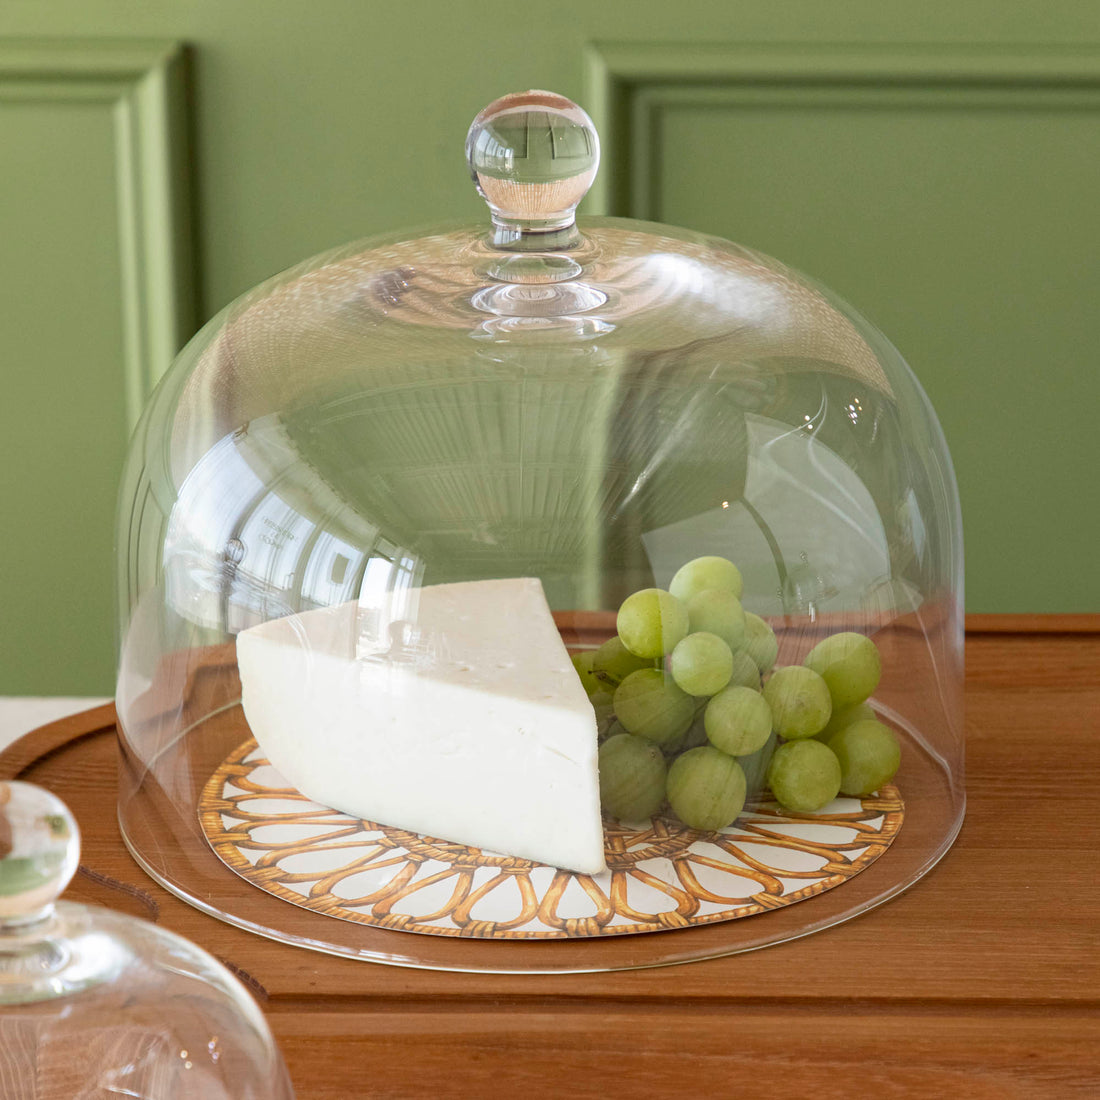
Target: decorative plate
660,877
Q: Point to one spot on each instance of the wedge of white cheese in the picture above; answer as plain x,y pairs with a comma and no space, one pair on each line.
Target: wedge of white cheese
476,731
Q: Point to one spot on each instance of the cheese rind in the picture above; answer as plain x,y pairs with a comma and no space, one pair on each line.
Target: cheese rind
480,733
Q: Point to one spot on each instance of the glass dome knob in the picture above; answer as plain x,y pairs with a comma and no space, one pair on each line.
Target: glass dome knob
533,156
39,853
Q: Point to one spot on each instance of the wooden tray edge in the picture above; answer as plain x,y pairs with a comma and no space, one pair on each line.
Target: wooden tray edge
41,742
1033,623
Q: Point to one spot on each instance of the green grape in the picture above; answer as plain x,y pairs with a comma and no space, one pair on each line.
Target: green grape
582,662
755,765
614,661
744,673
799,700
861,712
701,664
709,572
632,777
651,622
648,703
869,756
603,703
706,788
716,611
849,663
761,643
804,775
738,721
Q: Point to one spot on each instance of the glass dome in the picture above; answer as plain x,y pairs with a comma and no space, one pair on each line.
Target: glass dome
151,1014
432,545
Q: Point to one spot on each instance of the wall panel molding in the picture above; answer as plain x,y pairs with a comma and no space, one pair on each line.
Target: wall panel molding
143,84
949,191
630,84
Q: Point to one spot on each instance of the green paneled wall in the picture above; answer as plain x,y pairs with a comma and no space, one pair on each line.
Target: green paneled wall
953,209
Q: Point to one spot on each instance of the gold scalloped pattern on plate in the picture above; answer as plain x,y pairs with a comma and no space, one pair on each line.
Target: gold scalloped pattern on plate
660,877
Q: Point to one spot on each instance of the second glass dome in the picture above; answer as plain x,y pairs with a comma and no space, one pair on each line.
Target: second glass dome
388,495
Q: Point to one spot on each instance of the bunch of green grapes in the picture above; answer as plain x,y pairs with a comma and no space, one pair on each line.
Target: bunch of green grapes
693,712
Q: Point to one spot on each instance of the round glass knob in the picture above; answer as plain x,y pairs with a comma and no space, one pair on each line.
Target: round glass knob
39,853
533,156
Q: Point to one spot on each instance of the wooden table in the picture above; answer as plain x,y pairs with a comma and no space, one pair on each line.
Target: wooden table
981,981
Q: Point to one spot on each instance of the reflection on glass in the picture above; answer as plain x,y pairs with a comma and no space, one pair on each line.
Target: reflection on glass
807,532
256,533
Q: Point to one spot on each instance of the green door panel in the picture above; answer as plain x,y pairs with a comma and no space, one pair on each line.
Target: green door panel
95,299
965,227
62,406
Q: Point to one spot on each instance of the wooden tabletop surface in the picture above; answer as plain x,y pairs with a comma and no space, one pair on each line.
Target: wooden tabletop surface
983,980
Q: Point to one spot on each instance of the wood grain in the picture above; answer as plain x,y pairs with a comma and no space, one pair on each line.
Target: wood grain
982,980
775,1051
